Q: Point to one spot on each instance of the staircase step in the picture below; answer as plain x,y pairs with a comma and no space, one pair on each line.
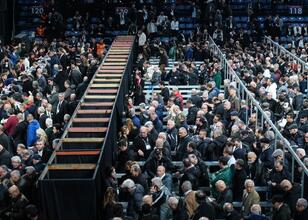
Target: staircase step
75,153
103,91
87,129
89,166
84,120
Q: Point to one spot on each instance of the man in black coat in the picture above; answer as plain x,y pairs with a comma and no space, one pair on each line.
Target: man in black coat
183,141
239,178
5,156
301,209
172,134
281,210
60,77
42,117
201,170
291,194
20,132
4,139
192,112
205,209
82,87
143,144
195,98
230,212
164,91
42,150
215,148
62,108
178,208
225,196
138,177
17,204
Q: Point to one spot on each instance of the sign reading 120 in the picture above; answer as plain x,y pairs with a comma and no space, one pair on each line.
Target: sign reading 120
296,10
37,10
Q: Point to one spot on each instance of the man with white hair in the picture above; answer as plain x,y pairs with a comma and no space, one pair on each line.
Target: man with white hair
178,208
256,213
160,198
42,117
301,209
136,192
250,196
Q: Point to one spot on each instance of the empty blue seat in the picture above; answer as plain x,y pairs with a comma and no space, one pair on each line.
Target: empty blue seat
189,26
181,26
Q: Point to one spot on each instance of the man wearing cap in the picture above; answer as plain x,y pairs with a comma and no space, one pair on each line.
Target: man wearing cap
37,163
277,175
303,122
296,136
136,193
278,156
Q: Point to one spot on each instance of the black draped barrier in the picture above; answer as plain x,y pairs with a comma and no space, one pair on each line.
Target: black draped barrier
71,185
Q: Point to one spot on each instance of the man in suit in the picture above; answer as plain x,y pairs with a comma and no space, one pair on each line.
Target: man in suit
61,108
250,196
43,151
42,117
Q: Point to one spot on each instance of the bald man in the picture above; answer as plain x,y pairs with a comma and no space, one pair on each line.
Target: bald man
18,203
224,196
165,177
143,144
183,141
292,194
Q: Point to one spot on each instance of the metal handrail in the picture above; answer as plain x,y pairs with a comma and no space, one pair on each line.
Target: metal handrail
242,90
278,50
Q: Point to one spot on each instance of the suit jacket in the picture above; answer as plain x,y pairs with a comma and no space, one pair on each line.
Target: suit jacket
250,199
191,203
283,213
42,120
63,109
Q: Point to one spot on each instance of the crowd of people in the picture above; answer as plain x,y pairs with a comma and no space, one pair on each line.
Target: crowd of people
168,146
180,158
41,85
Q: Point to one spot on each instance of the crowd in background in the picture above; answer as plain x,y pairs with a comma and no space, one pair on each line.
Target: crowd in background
168,139
41,84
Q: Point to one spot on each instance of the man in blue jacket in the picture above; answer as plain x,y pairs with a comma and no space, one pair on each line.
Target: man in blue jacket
31,131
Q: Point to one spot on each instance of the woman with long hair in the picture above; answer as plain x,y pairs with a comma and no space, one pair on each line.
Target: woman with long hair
109,203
